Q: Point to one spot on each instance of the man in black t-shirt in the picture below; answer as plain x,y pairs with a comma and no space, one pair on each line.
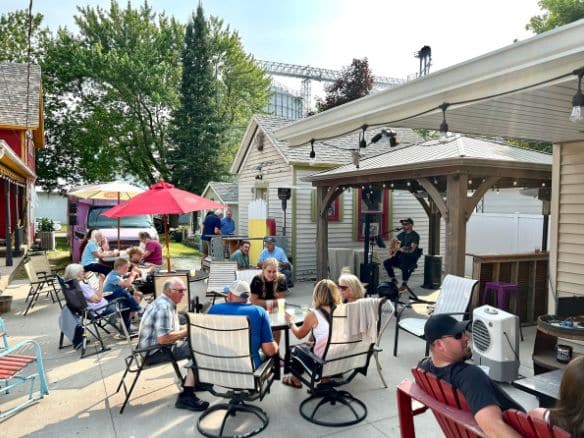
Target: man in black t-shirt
406,256
449,346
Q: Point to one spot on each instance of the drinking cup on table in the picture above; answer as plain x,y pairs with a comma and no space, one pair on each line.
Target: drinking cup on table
281,305
193,273
269,305
290,313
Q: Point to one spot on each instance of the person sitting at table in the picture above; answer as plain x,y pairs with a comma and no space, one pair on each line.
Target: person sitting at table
568,412
92,253
152,249
273,251
241,256
268,285
449,348
117,282
236,303
351,288
135,255
325,298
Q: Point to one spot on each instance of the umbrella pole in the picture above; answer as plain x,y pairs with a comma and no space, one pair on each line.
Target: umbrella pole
119,244
165,221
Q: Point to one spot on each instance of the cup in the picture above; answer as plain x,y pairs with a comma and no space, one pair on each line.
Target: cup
193,273
290,312
281,305
269,305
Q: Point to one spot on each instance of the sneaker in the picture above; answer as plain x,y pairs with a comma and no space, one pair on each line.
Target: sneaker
191,402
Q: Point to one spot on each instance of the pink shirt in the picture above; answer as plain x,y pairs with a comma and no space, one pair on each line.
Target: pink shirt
155,250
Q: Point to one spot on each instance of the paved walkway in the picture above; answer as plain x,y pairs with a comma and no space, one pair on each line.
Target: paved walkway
82,399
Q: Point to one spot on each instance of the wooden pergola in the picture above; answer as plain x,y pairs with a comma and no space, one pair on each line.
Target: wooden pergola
442,182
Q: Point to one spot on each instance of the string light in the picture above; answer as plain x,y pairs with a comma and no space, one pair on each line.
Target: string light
444,125
362,141
312,160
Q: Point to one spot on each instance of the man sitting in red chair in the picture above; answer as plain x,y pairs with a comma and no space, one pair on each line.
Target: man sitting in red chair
449,347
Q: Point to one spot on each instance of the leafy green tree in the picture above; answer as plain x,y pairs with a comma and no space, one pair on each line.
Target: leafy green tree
197,126
557,13
355,82
14,37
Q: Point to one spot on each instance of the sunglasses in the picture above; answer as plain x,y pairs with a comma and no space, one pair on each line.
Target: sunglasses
343,287
457,336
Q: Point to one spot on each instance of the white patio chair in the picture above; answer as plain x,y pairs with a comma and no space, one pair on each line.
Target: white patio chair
221,274
453,299
221,347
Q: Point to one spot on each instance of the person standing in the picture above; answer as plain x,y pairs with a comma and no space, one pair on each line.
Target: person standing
406,256
211,227
227,224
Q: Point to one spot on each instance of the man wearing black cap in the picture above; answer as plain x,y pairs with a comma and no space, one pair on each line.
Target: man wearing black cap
449,347
406,256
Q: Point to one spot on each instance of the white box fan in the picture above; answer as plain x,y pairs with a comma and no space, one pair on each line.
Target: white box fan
495,342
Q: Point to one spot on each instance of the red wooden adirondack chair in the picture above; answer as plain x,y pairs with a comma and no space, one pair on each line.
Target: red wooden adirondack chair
448,405
530,427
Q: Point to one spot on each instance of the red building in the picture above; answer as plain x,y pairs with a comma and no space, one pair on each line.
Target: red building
21,133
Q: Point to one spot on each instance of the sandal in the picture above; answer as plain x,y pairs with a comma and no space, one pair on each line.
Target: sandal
289,380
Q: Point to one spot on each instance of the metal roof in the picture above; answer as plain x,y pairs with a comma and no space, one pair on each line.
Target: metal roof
13,94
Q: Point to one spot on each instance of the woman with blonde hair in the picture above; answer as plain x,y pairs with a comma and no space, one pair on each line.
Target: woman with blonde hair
350,287
325,298
268,285
568,413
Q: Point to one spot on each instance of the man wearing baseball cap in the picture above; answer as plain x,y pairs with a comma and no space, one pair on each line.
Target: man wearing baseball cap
406,256
449,347
236,303
273,251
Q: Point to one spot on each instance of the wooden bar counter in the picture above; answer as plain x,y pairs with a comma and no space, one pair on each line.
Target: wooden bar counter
527,270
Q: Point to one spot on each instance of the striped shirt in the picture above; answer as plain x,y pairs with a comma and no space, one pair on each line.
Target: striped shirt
160,318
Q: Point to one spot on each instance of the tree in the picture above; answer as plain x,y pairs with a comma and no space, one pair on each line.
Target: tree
14,37
197,129
355,82
558,13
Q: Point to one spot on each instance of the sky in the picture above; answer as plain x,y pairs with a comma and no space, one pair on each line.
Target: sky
330,33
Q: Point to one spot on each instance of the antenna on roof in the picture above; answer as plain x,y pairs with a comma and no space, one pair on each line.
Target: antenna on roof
425,57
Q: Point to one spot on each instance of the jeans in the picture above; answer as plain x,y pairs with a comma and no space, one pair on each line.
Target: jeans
126,301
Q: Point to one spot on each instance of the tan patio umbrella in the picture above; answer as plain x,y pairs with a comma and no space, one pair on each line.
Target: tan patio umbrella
114,190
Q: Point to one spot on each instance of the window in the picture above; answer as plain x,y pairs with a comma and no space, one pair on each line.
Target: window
369,204
335,213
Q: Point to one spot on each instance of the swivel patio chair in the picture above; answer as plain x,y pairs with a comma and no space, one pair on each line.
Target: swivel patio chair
345,355
37,287
16,364
90,321
454,299
221,347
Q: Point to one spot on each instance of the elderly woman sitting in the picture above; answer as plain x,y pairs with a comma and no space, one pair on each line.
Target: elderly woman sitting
351,288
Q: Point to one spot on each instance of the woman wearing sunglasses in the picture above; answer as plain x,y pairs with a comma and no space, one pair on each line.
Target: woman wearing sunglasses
351,288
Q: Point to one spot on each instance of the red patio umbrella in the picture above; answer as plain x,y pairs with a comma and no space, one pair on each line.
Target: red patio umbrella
163,198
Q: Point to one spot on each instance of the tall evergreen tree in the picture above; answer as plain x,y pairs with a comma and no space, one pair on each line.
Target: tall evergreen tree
197,127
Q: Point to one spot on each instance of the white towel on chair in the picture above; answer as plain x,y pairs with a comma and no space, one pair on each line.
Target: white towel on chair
362,318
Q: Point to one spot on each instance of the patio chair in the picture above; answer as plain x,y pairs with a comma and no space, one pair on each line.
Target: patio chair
454,299
42,267
530,427
90,321
221,274
386,312
37,287
346,355
446,402
160,279
223,358
15,369
136,363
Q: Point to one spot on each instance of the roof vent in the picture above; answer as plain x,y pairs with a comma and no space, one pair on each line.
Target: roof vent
259,141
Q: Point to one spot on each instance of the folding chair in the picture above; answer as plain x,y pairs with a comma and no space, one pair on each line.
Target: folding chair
221,274
42,267
159,280
221,347
38,286
454,299
15,370
346,355
136,363
91,321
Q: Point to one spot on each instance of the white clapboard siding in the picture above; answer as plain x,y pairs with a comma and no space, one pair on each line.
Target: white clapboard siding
509,201
570,216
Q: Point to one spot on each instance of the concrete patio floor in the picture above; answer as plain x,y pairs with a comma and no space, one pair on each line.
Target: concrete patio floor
82,399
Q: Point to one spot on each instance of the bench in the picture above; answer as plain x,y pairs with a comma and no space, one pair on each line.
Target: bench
13,371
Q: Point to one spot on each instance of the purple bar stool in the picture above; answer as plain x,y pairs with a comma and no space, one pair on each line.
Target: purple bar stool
503,292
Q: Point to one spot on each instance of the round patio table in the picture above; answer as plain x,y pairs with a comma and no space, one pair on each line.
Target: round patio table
278,322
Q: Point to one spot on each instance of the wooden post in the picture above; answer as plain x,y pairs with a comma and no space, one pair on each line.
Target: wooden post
433,228
456,187
321,234
7,222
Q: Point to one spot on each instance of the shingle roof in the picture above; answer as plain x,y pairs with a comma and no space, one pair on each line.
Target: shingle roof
226,190
335,150
458,147
13,92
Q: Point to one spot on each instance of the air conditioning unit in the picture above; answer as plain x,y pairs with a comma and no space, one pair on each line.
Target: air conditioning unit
495,342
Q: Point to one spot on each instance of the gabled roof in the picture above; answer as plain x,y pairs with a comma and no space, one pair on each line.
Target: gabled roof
227,191
13,94
433,153
333,152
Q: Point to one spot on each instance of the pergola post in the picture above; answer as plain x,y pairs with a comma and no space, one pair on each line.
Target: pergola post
456,188
321,234
433,228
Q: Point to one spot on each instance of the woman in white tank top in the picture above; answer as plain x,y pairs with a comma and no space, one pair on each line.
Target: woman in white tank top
324,298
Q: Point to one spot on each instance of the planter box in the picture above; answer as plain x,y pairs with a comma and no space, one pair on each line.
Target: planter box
47,240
